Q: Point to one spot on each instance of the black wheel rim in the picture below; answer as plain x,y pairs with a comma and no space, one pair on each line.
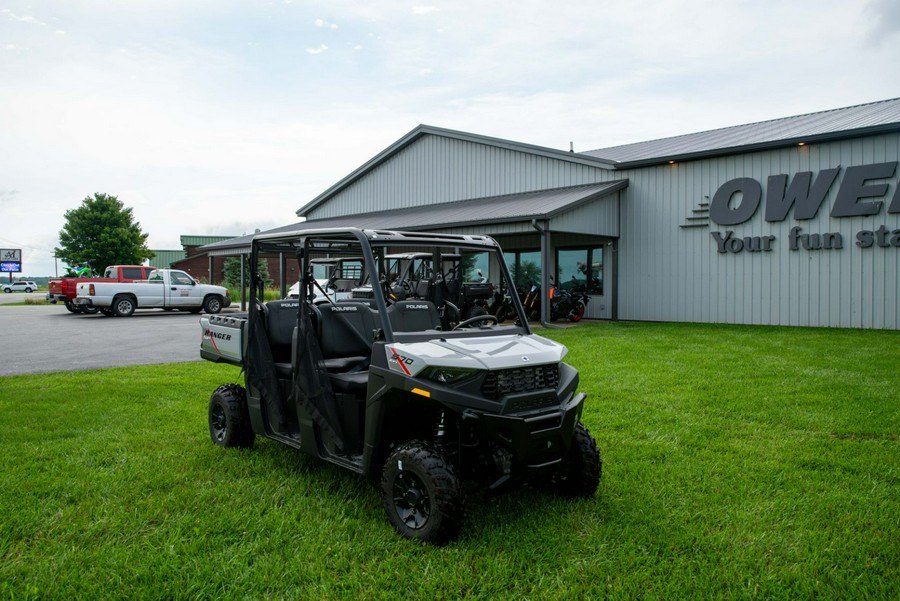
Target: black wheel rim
218,422
411,500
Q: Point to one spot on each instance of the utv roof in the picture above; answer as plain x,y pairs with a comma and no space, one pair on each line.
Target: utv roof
380,237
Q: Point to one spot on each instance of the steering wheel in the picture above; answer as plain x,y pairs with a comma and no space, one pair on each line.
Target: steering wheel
467,322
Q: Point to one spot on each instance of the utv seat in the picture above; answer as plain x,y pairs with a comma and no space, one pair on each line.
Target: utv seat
346,333
414,316
281,319
423,289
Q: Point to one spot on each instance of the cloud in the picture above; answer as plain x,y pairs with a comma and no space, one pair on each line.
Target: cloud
887,19
321,23
7,196
424,10
322,48
23,19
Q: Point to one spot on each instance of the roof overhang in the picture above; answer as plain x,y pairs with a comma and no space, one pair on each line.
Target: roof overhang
510,208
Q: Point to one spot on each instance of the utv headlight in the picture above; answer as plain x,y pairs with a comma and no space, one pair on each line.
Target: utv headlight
449,375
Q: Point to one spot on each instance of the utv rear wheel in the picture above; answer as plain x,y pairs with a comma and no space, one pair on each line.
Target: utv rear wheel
229,420
580,474
422,496
70,307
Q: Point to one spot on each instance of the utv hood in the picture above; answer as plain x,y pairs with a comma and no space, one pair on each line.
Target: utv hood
482,353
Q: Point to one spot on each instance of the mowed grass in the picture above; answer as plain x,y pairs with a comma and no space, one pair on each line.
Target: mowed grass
739,462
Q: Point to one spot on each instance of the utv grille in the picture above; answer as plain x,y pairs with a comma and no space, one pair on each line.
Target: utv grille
522,379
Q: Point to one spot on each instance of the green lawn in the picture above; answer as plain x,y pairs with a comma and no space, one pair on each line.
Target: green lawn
739,462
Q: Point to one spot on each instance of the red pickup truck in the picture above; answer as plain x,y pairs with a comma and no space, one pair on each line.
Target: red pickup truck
65,289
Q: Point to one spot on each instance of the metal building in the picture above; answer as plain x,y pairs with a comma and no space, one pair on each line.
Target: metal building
794,221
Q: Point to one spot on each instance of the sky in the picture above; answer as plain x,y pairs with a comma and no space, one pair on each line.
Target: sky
220,117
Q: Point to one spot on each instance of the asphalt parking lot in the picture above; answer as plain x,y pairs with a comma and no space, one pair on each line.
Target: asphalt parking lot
45,338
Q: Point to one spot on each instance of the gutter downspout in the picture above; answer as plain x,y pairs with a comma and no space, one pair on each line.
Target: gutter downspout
545,275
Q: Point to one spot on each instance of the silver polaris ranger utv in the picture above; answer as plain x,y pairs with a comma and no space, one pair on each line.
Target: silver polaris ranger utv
403,382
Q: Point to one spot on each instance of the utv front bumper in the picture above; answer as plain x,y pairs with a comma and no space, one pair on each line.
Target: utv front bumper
537,442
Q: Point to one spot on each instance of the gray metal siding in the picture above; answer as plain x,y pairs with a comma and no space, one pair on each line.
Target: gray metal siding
436,169
600,217
668,273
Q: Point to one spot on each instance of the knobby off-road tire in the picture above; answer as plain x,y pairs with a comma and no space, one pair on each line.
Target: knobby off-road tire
70,307
123,306
108,312
229,419
422,495
580,474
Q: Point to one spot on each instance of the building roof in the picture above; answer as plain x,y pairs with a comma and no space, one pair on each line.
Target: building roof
428,130
189,240
165,258
864,119
543,204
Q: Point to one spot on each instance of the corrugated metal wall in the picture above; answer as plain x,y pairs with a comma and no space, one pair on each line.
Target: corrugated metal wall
437,169
666,272
669,273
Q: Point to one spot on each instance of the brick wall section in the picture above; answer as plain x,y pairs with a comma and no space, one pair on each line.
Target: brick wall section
198,266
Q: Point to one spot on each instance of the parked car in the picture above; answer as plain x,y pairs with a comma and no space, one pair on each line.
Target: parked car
19,286
65,289
163,289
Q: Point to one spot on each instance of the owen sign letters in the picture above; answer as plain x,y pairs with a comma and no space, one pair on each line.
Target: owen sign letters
862,193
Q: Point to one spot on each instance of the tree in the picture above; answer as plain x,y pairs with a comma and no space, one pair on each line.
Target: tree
525,274
232,271
102,232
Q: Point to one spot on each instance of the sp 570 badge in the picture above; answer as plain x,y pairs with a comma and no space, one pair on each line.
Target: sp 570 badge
398,362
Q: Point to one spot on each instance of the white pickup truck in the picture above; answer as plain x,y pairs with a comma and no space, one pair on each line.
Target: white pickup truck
163,289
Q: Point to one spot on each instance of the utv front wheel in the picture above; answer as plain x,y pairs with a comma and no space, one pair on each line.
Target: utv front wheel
229,420
580,474
422,496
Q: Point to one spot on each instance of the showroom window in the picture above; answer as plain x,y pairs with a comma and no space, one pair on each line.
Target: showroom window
579,267
525,268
